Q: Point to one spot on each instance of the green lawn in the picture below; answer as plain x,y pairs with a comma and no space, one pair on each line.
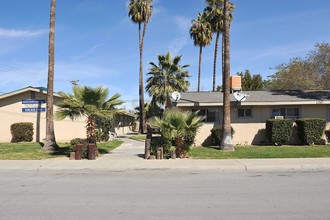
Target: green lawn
261,152
141,137
33,151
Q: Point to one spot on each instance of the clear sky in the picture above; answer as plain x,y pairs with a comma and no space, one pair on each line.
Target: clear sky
97,44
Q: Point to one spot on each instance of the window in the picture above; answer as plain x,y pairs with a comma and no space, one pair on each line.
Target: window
244,112
211,115
290,112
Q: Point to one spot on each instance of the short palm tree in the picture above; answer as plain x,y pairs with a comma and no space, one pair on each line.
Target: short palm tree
180,127
166,77
140,12
90,103
201,33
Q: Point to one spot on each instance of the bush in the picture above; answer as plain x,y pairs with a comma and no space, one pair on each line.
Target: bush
310,130
159,141
82,141
216,135
21,132
279,130
327,135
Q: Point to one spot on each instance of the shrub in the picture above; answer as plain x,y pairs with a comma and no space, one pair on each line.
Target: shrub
327,135
159,141
21,132
279,130
82,141
102,136
216,135
310,130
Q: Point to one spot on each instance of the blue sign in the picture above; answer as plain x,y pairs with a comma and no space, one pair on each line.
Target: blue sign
33,105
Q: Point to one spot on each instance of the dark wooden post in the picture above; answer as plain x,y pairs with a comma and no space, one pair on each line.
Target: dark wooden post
78,151
91,151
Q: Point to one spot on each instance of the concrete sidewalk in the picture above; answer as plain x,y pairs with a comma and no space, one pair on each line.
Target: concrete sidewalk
129,156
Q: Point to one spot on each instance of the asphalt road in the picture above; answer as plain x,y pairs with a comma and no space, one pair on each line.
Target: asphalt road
164,194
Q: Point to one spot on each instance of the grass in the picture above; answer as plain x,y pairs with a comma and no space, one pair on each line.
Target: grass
258,152
33,151
141,137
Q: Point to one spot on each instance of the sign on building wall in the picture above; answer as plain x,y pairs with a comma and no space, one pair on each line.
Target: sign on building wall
33,105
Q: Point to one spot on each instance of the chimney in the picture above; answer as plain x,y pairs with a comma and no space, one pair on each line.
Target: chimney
235,83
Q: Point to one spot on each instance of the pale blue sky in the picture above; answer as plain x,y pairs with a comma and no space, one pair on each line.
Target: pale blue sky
97,44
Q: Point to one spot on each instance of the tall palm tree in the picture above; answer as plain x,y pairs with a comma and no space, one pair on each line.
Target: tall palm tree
226,142
166,77
140,11
90,103
50,142
201,33
214,10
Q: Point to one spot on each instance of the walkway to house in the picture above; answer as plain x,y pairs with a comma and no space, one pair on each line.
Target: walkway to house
129,150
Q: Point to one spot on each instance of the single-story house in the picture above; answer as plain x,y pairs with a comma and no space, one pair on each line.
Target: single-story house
248,117
29,105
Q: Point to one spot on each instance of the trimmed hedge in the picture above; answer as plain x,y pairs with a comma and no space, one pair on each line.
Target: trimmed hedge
279,130
216,135
21,132
310,130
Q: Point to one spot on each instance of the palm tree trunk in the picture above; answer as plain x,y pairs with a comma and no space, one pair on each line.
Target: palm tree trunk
90,129
50,142
226,142
215,62
142,127
199,68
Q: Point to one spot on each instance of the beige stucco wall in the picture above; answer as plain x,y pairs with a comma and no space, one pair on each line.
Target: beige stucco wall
11,112
252,130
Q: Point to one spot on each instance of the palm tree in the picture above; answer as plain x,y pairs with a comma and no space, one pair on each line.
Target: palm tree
226,142
140,12
50,142
90,103
201,33
179,126
166,77
214,10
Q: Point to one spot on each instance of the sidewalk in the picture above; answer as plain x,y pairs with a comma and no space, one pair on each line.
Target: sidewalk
129,156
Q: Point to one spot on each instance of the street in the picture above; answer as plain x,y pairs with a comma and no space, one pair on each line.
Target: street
164,194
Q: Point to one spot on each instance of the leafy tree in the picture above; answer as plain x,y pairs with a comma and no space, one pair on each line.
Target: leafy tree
226,142
90,103
50,142
140,12
201,33
166,77
179,126
251,83
311,73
